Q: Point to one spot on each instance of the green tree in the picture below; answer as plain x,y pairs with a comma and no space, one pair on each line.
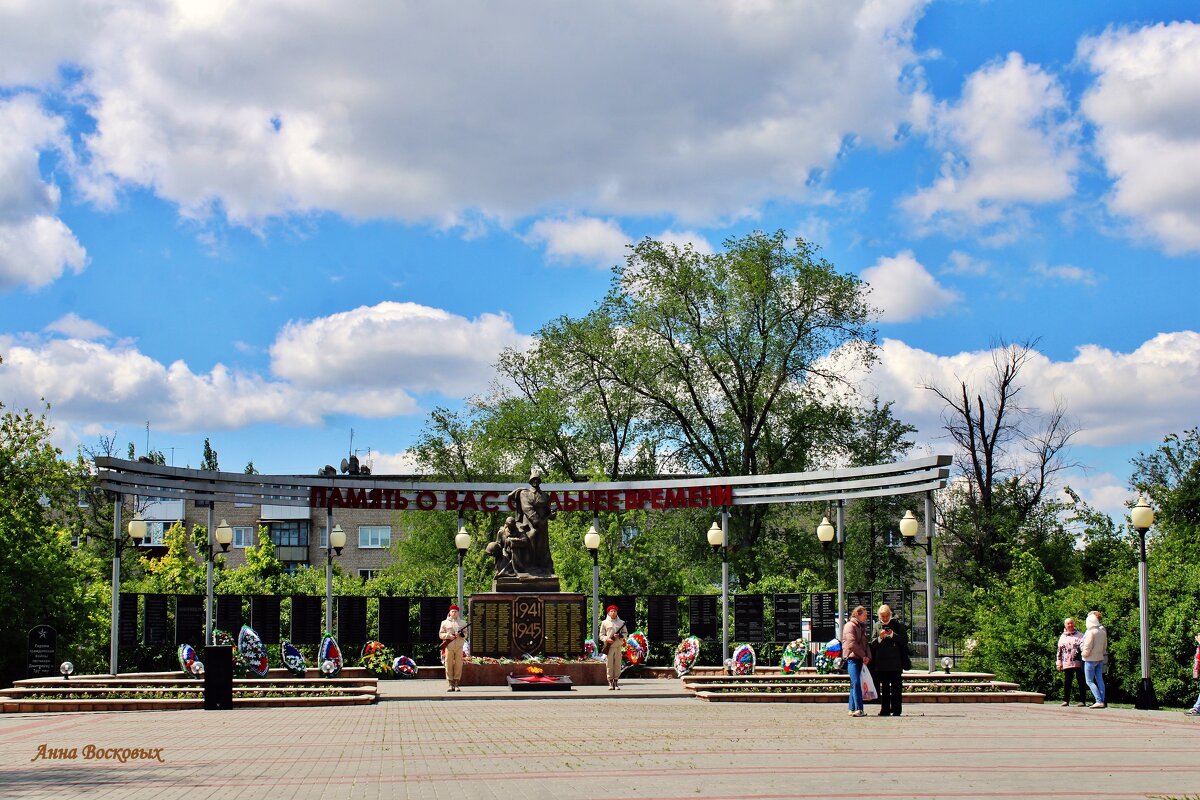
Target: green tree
209,461
43,578
179,570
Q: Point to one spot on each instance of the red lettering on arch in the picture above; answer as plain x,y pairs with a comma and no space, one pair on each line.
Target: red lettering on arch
488,501
426,500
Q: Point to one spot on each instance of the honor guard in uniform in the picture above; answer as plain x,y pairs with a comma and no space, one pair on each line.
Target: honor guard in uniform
451,634
612,639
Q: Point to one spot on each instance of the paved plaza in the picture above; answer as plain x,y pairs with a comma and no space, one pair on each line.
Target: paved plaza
647,741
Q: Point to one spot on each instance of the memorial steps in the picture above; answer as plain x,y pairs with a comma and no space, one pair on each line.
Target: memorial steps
772,686
164,691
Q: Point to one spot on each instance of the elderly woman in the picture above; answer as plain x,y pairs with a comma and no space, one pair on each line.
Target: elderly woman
856,649
612,638
889,659
1069,661
1194,711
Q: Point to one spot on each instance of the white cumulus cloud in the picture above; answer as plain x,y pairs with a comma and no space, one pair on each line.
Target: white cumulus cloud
36,247
1147,132
598,242
76,327
1008,142
402,346
450,112
904,290
683,238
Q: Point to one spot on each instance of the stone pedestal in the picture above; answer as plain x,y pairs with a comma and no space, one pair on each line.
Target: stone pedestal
525,585
512,625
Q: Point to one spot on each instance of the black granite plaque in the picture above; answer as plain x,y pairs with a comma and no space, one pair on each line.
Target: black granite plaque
565,626
352,620
748,617
433,611
394,627
491,627
856,599
229,613
662,623
702,616
306,619
626,608
43,652
895,599
127,624
154,627
823,607
264,617
789,617
528,624
189,620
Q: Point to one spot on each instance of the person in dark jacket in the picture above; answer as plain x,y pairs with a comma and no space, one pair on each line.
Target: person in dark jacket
889,659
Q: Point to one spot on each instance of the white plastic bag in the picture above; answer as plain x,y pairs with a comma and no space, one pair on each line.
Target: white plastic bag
868,685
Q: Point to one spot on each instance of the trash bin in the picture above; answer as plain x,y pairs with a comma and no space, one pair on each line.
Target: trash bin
218,677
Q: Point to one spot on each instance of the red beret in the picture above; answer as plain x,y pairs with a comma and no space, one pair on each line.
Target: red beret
610,608
454,607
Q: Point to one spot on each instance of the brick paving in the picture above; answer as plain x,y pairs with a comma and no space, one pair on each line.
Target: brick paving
648,741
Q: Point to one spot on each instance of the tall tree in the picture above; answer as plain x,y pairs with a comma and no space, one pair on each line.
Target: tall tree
209,462
1008,457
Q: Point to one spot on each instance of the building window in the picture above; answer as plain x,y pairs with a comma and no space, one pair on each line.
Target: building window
154,534
367,574
289,533
292,567
324,537
628,534
374,536
243,536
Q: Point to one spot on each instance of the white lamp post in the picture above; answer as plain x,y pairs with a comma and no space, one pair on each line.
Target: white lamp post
909,525
1142,517
826,533
136,531
591,540
337,540
462,542
224,537
718,540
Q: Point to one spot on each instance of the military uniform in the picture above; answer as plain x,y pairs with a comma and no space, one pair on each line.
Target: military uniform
454,651
612,630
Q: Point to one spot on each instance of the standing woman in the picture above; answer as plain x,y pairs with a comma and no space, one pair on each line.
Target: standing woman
1194,711
1069,661
1093,650
889,654
451,632
856,649
612,638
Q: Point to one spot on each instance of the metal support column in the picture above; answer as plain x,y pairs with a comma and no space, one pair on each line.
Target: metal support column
930,618
840,518
1146,698
329,570
116,586
208,581
725,586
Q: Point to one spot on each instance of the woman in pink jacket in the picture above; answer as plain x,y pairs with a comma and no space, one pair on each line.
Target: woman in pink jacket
856,649
1195,710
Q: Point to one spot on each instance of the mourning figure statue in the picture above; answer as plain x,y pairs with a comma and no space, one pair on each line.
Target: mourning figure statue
522,545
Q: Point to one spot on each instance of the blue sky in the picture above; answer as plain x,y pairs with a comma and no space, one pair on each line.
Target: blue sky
269,226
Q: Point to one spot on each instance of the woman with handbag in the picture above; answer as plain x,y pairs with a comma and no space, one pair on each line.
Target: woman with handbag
856,649
889,653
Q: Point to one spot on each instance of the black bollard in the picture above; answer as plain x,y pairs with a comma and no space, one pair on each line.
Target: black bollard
218,677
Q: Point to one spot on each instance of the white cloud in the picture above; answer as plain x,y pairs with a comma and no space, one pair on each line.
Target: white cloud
388,346
90,382
904,290
1009,141
599,242
961,263
1115,398
1147,132
401,463
260,109
1066,273
76,327
683,238
35,245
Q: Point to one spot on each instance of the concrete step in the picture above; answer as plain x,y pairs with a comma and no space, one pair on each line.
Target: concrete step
842,697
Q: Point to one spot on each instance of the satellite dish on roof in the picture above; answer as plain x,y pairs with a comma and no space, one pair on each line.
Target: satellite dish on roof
345,466
364,471
353,465
327,472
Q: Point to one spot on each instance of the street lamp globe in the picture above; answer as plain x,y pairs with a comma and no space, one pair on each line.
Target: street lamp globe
137,528
224,535
909,525
1142,515
716,536
337,539
825,531
591,539
462,540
